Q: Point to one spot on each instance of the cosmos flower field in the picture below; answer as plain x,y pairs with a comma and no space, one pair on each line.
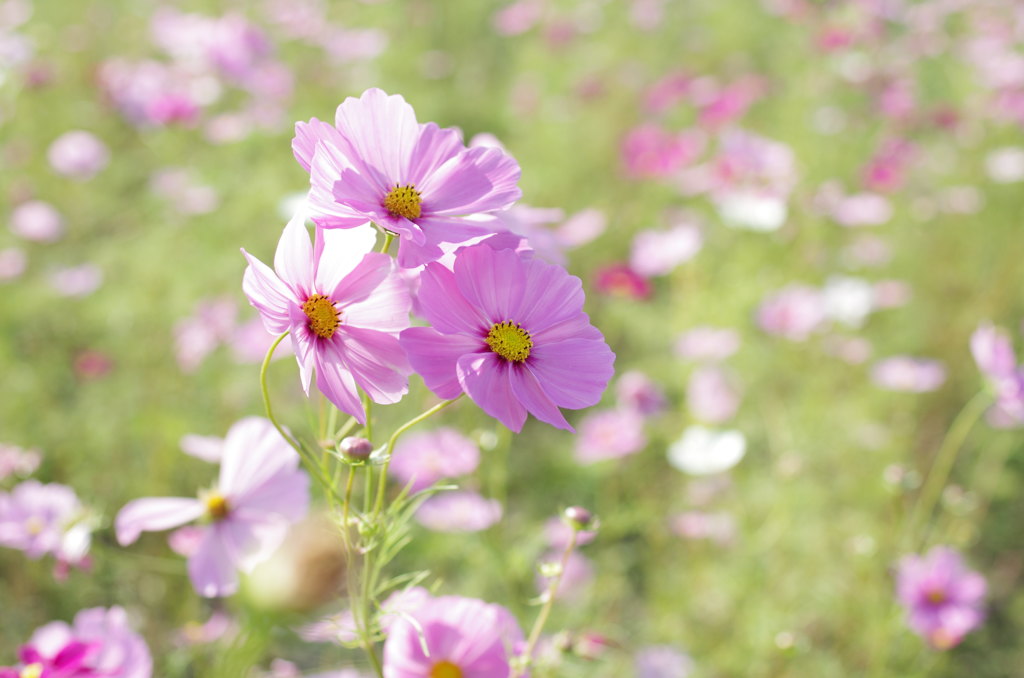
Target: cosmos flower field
489,339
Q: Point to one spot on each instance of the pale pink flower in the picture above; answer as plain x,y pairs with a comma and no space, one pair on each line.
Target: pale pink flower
712,394
16,461
619,280
45,519
794,312
577,575
78,154
421,459
635,391
662,661
907,373
458,511
707,344
716,527
13,262
37,220
659,252
609,434
344,307
557,533
260,493
650,151
76,281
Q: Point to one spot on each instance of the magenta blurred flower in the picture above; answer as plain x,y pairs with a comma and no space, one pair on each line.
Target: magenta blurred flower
344,307
658,252
794,312
458,511
37,220
944,600
650,151
886,171
619,280
150,93
667,92
16,461
421,459
452,636
45,519
907,373
78,154
609,434
713,394
662,661
379,164
707,344
636,391
100,644
261,491
511,333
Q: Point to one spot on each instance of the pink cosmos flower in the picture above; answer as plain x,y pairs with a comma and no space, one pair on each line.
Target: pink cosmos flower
17,461
460,511
344,308
712,394
76,281
794,312
610,434
426,457
100,643
78,154
993,352
662,661
37,220
707,344
906,373
13,262
417,180
45,519
510,333
198,335
659,252
452,636
636,391
944,600
649,151
261,491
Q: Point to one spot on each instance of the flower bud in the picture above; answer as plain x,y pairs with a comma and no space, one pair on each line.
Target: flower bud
356,449
578,517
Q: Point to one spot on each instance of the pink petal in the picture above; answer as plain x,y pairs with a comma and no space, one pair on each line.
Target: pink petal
455,315
212,568
575,372
530,393
307,134
386,310
293,260
434,147
485,379
361,281
549,296
434,357
254,453
375,359
287,496
271,297
153,514
338,251
335,381
328,165
383,132
492,281
454,187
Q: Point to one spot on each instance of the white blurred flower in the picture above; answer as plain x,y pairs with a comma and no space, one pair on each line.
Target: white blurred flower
703,451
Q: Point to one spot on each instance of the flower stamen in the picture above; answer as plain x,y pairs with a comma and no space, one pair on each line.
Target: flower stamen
510,341
445,669
403,201
324,318
217,506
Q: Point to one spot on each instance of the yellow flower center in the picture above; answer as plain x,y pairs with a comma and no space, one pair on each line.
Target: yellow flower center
403,201
34,525
936,596
445,669
217,506
31,671
510,341
324,318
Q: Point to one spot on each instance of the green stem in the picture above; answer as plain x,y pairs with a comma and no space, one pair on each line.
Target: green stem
388,237
345,505
938,474
549,600
311,464
391,446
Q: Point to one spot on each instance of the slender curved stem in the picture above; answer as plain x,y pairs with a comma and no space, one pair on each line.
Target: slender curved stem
945,458
388,237
382,484
549,599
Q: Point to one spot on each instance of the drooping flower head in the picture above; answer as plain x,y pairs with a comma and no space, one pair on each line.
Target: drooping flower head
944,600
99,643
452,637
344,307
377,163
261,491
511,333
